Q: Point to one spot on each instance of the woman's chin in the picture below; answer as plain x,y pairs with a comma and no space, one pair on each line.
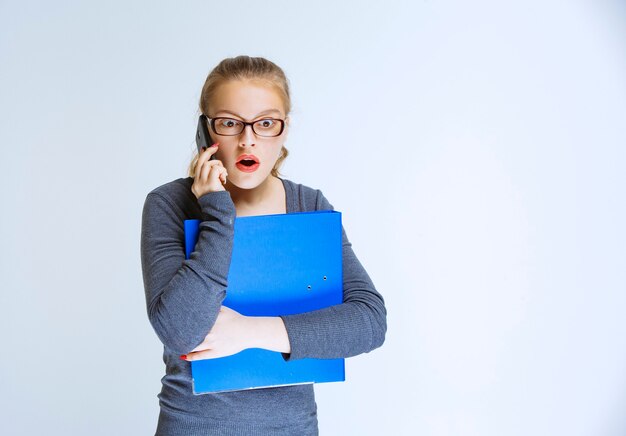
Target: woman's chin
246,181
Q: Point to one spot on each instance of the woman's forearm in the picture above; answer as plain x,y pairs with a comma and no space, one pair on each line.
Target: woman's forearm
183,296
269,332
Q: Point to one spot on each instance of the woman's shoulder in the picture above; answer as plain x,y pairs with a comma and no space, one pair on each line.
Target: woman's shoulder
177,193
304,197
174,188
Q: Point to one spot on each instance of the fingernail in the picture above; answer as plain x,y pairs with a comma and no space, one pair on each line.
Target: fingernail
183,356
215,145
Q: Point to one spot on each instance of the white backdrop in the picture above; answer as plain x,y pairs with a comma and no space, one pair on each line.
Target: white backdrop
489,211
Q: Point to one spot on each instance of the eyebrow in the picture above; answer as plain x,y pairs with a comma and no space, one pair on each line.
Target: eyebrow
256,116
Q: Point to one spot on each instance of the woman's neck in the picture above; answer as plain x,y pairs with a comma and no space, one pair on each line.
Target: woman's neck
251,198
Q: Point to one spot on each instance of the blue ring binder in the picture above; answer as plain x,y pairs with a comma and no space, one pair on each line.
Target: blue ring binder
281,264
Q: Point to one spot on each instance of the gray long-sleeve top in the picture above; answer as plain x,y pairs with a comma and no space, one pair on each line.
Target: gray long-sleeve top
183,297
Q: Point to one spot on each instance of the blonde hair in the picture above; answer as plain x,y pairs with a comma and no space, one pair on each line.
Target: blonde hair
245,68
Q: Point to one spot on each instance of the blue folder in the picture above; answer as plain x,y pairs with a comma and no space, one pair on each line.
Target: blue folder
281,265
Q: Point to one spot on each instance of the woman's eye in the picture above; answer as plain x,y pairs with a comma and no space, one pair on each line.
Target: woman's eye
228,123
266,123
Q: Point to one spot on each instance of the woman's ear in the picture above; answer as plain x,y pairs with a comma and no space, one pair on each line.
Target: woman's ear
287,121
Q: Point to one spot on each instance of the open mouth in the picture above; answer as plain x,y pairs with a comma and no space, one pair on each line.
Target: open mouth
247,163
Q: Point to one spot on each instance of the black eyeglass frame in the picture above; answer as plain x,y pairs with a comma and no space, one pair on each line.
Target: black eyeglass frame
245,123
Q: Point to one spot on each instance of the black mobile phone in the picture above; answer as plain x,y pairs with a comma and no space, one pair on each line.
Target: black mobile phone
203,138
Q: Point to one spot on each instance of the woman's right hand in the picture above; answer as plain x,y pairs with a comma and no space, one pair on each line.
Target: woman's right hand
210,175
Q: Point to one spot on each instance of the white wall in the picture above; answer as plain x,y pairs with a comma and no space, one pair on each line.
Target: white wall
489,213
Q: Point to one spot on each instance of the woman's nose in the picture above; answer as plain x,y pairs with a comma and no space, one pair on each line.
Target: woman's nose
247,137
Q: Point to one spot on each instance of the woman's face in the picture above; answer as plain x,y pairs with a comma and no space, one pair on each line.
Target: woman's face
247,101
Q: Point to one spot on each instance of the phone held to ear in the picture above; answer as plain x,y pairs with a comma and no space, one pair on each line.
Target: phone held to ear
203,139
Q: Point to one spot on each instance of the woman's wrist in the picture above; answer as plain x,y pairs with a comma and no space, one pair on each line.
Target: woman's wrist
269,333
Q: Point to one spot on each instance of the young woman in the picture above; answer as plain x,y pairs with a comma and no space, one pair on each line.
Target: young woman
246,102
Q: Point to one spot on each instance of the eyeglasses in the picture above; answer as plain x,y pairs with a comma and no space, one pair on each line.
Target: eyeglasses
267,127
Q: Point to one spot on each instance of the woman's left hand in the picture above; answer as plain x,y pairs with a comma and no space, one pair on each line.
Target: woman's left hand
234,332
230,334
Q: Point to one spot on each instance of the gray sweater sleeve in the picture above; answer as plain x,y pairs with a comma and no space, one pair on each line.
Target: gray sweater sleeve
356,326
183,296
